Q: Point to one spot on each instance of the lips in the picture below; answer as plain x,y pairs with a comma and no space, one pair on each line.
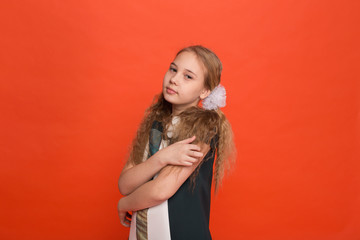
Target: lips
170,90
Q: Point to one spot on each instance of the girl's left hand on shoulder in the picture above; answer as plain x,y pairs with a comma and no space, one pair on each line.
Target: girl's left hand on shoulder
125,216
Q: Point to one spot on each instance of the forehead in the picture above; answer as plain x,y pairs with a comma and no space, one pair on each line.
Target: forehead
189,61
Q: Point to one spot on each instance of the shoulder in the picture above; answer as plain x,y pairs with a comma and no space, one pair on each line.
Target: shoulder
199,114
157,125
196,116
204,124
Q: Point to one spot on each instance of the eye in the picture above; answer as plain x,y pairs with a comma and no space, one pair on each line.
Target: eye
171,69
188,76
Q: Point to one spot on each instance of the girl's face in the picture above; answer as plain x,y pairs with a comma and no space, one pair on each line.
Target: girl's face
183,84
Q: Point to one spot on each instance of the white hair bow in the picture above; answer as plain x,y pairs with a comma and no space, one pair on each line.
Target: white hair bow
216,99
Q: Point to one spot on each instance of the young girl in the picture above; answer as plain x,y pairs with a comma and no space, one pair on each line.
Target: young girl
166,181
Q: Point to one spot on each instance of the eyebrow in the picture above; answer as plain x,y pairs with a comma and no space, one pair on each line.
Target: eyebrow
185,69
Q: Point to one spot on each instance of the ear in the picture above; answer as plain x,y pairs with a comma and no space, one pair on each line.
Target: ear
204,93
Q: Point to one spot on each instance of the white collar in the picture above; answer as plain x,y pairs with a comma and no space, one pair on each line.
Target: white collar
174,121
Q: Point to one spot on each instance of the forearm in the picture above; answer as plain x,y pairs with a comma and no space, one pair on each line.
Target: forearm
143,197
132,178
158,190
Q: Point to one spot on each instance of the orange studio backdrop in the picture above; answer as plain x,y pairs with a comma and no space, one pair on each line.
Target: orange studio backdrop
76,77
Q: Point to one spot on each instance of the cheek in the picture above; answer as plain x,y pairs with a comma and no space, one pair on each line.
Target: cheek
193,92
166,78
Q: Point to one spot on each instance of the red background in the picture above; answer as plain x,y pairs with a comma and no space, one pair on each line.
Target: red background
76,77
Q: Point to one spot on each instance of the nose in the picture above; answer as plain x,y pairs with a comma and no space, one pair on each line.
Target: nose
174,79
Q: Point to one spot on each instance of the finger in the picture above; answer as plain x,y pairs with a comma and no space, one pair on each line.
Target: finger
188,140
125,223
196,154
187,163
192,160
194,147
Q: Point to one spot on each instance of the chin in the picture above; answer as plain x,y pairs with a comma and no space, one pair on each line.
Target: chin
167,97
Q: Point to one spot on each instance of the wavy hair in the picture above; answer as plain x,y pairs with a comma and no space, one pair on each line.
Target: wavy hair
204,124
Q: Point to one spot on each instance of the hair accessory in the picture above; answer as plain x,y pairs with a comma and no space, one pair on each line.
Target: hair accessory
216,99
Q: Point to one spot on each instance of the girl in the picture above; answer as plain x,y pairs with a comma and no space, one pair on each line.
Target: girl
166,181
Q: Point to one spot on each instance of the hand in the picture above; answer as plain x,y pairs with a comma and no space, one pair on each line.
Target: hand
181,153
125,217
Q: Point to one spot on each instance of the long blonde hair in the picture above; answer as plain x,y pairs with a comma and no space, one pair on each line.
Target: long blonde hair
204,124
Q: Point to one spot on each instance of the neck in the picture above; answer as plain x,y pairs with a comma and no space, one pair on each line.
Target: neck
177,109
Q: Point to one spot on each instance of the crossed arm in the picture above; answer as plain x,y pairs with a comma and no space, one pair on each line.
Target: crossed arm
175,162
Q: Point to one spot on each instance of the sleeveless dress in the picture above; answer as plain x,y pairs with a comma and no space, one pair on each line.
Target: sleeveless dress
184,216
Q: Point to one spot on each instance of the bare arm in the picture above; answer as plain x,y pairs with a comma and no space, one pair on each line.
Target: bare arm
161,188
132,176
181,153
